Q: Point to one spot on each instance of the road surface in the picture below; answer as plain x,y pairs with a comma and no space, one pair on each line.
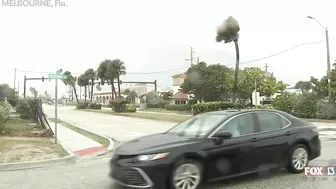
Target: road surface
92,172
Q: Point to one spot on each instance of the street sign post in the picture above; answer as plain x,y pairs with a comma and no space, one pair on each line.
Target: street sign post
57,76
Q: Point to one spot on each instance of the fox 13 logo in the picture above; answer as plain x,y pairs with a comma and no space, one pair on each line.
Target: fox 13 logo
320,171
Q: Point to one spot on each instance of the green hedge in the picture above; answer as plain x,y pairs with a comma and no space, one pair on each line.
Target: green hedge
211,106
4,115
130,108
27,109
95,106
119,104
175,107
82,105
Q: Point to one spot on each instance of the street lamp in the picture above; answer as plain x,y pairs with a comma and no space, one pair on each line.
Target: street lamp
328,55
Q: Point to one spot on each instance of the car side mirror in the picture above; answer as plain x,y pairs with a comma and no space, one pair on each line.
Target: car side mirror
223,135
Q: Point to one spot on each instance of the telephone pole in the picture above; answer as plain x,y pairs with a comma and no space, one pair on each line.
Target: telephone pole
191,57
197,60
14,79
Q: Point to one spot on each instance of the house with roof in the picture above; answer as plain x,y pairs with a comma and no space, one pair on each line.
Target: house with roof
179,97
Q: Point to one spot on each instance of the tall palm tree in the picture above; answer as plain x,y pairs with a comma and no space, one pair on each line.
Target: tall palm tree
91,74
80,83
228,32
71,81
106,73
120,69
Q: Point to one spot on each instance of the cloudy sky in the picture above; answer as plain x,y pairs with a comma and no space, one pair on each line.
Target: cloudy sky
156,36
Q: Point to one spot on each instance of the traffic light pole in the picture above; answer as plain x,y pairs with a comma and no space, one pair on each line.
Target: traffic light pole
25,79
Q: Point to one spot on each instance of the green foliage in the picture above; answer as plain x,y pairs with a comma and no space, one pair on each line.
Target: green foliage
4,115
27,109
285,102
94,106
9,93
306,106
175,107
211,106
153,100
228,30
119,105
34,92
82,105
305,86
325,110
130,108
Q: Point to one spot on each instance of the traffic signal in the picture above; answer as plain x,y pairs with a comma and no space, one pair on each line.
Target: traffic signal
120,82
43,79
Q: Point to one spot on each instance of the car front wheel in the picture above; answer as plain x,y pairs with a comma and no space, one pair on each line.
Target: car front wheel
298,159
187,174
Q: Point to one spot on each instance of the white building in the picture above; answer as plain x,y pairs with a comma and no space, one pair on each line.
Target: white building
178,96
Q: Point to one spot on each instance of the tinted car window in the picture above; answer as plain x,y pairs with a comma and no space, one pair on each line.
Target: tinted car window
241,125
271,121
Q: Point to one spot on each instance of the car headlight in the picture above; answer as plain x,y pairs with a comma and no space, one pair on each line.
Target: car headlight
152,157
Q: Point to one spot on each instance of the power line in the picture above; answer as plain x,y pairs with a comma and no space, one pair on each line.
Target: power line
164,71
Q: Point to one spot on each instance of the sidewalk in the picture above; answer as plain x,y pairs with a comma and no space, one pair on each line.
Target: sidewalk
80,145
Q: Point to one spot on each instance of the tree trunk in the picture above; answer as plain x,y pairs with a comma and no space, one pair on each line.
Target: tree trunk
119,85
235,86
92,83
85,93
114,91
74,89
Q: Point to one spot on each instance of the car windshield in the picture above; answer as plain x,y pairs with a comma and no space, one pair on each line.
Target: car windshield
197,126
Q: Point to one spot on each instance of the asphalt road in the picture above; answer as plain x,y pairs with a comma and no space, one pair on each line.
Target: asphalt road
92,173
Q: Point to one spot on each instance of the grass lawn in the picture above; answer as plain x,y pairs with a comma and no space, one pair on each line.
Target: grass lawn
152,116
16,149
19,126
162,110
101,140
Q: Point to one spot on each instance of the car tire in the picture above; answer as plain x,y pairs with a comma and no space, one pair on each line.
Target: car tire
195,169
298,159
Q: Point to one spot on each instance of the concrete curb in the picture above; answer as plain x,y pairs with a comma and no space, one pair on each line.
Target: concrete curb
112,142
71,158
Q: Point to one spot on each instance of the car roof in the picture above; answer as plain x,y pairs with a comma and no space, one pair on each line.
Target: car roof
233,112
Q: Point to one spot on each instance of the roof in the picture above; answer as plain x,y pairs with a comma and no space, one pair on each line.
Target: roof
179,75
180,95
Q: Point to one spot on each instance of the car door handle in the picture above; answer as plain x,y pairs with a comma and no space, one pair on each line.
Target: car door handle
254,139
288,133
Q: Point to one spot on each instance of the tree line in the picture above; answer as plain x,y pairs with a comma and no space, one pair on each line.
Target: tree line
109,71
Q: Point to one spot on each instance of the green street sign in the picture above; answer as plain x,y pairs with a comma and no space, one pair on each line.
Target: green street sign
58,76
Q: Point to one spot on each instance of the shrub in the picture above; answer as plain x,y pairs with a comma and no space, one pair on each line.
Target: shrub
82,105
119,104
325,110
27,109
4,115
157,103
285,102
211,106
175,107
95,106
130,108
266,107
306,106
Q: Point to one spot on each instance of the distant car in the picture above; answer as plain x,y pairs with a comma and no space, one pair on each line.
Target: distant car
216,145
50,102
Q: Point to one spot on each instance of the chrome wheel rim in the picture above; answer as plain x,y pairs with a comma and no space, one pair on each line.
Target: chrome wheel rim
300,159
187,176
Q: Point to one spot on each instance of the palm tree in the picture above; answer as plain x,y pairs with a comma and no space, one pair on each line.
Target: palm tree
91,74
83,81
106,73
228,32
71,81
120,69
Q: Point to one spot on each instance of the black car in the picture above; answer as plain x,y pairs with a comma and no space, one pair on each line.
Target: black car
216,145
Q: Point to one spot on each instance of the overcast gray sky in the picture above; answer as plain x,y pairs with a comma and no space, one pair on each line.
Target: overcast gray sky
156,35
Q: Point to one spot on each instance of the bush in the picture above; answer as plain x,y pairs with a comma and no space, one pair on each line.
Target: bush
285,102
130,108
27,109
266,107
119,104
157,103
325,110
95,106
175,107
4,115
211,106
82,105
306,106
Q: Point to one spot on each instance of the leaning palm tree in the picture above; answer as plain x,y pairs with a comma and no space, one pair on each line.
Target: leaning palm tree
71,81
106,72
120,69
228,32
91,74
81,83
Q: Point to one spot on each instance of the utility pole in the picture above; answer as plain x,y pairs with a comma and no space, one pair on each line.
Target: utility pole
255,94
197,60
328,55
191,57
18,89
266,67
14,78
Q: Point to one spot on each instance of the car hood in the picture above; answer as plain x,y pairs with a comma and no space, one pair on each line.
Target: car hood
151,144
